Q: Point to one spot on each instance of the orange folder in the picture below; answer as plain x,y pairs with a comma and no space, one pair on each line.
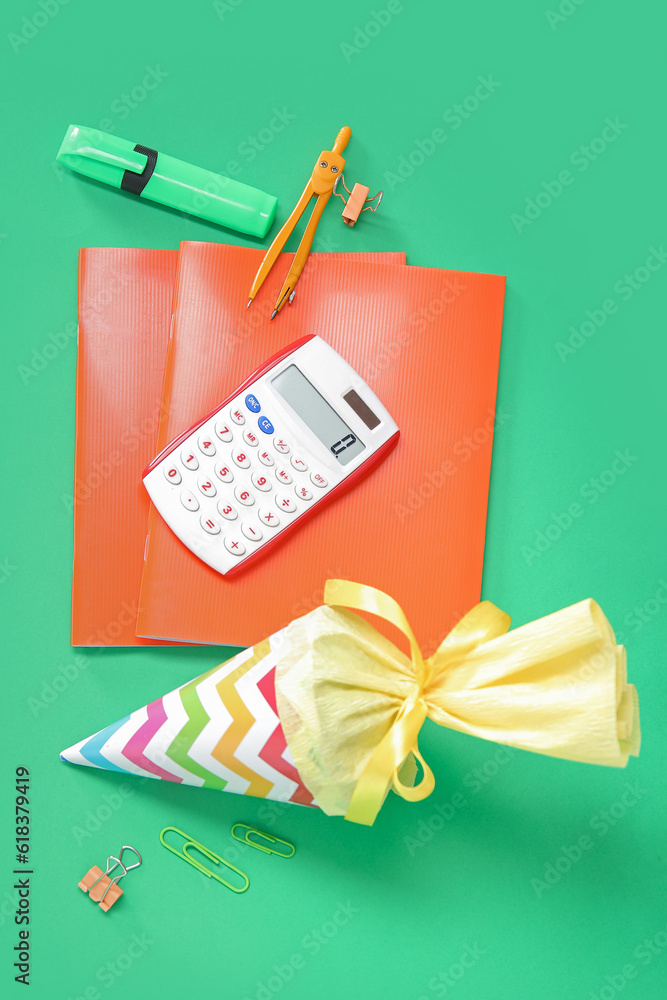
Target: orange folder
427,341
125,307
125,310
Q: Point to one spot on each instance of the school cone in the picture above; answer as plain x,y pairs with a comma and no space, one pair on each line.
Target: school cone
327,711
220,730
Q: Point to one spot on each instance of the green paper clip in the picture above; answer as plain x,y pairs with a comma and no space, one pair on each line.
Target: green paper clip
189,842
245,839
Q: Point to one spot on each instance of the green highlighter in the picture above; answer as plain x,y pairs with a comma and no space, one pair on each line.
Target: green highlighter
144,172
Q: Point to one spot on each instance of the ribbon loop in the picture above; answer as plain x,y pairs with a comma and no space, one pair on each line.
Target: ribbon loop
484,622
415,793
358,596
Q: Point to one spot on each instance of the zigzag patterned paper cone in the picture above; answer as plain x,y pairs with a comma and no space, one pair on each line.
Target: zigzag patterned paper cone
328,711
220,730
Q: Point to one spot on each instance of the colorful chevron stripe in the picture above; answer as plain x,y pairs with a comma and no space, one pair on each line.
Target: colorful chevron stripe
275,747
220,730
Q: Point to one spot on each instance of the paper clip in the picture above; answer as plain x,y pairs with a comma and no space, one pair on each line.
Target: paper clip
245,839
357,202
100,887
183,853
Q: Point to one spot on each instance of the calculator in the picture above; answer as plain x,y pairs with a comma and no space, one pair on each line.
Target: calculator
300,431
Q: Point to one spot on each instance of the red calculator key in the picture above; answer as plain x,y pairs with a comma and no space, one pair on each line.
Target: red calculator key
303,493
189,459
205,445
298,464
252,531
206,486
224,473
237,416
172,475
210,525
266,458
223,431
285,503
227,511
240,458
244,496
269,517
318,479
250,438
235,546
261,482
283,476
189,500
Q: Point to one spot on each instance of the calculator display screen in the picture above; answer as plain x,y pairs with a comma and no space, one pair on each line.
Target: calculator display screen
321,418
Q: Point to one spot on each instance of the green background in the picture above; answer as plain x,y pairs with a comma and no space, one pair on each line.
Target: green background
411,907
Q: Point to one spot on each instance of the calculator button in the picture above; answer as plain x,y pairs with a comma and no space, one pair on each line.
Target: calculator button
303,493
266,458
241,459
205,445
228,512
208,524
223,431
281,445
206,486
319,480
283,476
267,516
189,459
235,546
237,416
265,425
223,472
261,482
298,464
250,438
244,496
189,500
285,503
172,474
251,531
252,403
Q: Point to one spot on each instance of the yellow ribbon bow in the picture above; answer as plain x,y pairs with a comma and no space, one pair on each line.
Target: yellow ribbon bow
484,622
351,704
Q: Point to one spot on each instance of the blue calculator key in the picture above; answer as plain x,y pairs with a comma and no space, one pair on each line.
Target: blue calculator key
252,403
265,425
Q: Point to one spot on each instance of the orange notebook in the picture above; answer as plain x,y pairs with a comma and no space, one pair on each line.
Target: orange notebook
125,307
427,342
125,310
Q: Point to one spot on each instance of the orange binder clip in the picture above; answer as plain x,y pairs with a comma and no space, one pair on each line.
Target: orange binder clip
357,202
103,889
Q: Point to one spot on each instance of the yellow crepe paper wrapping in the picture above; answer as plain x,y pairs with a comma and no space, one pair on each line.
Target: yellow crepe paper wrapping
351,704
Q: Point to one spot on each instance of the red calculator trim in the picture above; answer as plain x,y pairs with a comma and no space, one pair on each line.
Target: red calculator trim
173,445
347,484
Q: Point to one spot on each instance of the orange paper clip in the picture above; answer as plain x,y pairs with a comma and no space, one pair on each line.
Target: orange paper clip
357,202
99,885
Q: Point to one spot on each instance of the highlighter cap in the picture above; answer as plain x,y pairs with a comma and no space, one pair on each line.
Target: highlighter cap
144,172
